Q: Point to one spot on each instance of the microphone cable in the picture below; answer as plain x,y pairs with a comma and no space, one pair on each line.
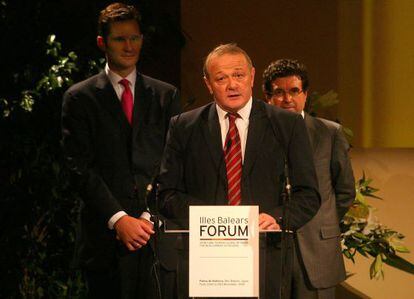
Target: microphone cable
286,198
150,190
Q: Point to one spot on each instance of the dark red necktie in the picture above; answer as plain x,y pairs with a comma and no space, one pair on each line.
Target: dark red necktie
127,101
233,158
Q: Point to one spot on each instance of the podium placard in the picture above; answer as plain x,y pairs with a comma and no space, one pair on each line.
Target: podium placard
224,251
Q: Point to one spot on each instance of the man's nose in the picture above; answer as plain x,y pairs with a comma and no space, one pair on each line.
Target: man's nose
232,84
128,44
287,97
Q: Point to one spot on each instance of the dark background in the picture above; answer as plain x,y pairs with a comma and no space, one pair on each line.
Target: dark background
38,207
25,24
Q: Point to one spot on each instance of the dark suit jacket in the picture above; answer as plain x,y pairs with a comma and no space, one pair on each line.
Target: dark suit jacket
193,168
319,239
112,162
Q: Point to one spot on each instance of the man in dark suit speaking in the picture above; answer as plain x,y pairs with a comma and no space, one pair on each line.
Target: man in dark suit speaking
318,264
232,151
114,126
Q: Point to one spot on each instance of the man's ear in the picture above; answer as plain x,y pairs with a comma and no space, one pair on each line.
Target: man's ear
100,42
208,84
252,71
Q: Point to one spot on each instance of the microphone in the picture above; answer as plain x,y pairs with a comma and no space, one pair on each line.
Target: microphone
152,187
153,182
152,191
287,195
285,224
226,147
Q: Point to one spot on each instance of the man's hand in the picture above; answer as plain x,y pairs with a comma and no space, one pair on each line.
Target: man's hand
267,222
133,232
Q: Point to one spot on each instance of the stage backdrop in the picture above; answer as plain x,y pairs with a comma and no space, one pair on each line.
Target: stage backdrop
362,49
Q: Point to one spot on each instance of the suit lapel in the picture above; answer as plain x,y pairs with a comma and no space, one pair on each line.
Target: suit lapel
108,98
257,125
142,101
312,132
212,137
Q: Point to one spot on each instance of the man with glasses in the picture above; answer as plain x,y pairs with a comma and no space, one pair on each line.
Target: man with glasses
114,126
318,264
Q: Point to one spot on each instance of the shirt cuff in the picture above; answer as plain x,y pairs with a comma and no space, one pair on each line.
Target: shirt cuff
147,216
115,218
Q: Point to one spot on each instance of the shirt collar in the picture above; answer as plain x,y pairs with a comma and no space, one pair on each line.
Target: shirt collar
115,78
244,112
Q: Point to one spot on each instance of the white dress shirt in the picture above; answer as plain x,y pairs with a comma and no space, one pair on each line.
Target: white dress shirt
242,124
114,78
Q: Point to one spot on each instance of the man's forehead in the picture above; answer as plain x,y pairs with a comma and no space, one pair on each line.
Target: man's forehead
230,67
228,61
229,56
121,27
292,80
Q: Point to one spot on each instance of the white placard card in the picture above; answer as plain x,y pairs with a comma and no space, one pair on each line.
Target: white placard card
224,251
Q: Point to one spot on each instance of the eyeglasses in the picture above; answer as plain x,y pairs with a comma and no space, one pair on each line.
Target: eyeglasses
281,93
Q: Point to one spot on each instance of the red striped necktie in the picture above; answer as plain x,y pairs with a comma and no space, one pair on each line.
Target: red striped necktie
233,158
127,101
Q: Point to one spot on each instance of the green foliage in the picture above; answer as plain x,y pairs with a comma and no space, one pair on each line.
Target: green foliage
323,101
37,206
317,102
3,6
35,192
363,234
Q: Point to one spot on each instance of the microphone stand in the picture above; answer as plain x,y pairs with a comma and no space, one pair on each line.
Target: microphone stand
220,164
154,214
286,198
156,220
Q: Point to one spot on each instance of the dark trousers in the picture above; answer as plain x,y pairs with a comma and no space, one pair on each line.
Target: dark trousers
301,286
